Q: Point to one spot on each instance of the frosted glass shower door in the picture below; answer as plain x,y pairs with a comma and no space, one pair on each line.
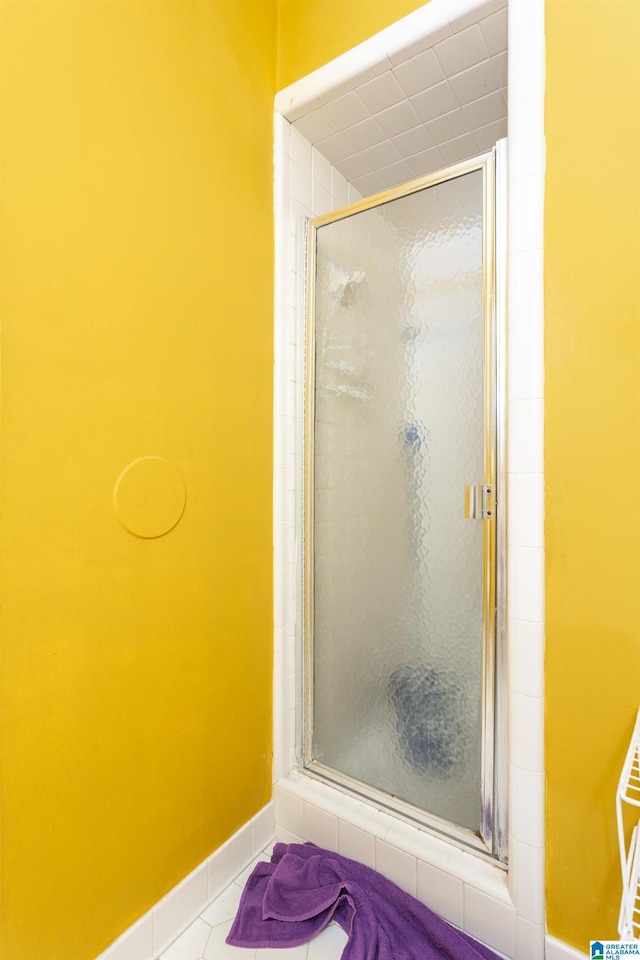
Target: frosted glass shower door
399,588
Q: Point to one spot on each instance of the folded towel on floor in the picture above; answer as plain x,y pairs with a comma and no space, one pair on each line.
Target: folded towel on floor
288,901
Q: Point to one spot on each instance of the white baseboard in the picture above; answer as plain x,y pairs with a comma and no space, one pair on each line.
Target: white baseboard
164,922
149,936
555,949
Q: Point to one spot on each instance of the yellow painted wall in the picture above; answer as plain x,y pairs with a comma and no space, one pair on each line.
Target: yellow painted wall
136,268
312,32
592,462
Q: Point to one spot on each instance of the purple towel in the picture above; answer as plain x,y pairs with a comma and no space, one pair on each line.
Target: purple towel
287,902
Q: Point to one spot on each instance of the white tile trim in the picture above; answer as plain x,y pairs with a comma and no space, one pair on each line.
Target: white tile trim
525,598
298,793
149,936
555,949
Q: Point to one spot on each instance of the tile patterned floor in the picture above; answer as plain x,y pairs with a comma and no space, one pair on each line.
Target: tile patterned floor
204,938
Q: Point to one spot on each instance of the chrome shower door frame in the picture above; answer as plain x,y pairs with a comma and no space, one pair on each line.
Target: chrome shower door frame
491,839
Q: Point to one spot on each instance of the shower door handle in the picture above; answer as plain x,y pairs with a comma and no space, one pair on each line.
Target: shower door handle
479,501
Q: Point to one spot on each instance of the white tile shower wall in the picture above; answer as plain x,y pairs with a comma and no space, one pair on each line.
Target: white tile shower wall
152,933
306,185
520,911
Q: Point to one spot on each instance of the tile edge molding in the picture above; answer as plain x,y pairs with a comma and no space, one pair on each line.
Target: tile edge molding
225,863
555,949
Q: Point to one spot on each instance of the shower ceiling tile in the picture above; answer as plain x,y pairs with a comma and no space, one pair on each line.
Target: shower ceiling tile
489,135
434,102
401,107
335,148
477,11
449,126
477,82
345,83
500,65
368,185
459,149
419,73
412,142
365,134
353,167
398,119
381,155
426,162
461,51
316,126
486,110
346,110
381,93
494,31
395,174
415,49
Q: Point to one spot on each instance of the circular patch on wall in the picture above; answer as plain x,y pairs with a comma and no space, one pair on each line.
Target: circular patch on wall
149,497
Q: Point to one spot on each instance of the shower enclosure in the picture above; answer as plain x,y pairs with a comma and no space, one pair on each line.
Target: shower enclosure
401,502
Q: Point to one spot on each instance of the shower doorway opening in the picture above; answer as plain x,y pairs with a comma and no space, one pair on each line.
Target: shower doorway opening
404,527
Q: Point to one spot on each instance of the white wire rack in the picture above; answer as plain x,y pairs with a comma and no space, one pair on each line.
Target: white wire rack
629,794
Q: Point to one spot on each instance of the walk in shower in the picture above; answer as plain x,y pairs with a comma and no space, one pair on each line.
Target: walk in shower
401,503
499,902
